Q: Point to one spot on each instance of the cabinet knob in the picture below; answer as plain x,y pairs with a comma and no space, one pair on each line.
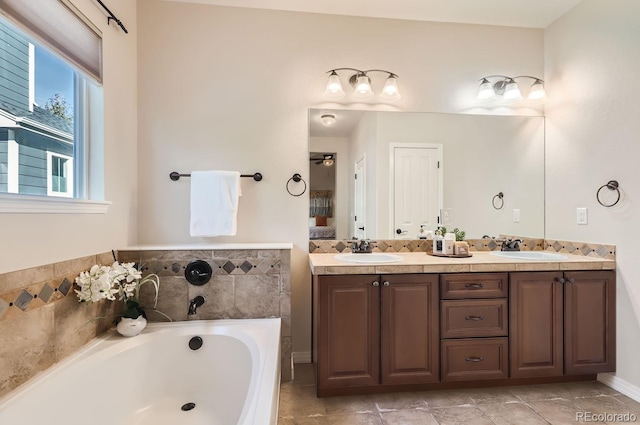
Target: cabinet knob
559,279
570,280
475,318
375,283
474,359
474,285
385,283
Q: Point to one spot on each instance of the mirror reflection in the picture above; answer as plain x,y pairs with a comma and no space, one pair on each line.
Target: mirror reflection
397,175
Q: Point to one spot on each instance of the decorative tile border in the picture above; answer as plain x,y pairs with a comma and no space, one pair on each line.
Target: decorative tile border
421,245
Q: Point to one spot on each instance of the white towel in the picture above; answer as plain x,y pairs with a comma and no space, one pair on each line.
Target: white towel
214,203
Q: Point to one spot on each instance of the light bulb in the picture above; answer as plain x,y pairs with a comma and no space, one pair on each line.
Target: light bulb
537,90
486,90
390,90
511,91
334,87
327,162
363,87
328,120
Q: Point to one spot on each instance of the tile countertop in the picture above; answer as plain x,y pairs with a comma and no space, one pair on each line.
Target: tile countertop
420,262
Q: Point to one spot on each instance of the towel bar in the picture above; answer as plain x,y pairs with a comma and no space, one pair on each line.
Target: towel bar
176,176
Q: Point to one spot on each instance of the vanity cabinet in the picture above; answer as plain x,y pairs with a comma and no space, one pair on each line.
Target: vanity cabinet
376,330
562,323
387,332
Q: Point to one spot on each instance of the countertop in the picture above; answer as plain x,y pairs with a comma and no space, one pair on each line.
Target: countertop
481,261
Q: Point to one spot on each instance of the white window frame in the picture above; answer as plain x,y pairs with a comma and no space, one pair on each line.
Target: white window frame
91,192
70,178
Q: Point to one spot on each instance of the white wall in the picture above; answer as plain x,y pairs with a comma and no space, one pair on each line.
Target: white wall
591,68
230,88
28,240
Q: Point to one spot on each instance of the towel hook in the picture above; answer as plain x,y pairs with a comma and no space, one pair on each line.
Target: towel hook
500,197
611,185
296,178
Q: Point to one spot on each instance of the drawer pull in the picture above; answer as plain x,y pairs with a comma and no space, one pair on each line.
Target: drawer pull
375,283
474,359
476,318
474,285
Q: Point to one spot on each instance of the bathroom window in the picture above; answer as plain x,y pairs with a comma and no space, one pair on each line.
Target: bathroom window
47,92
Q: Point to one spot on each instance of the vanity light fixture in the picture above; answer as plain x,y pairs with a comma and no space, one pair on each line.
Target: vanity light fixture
508,88
328,120
362,85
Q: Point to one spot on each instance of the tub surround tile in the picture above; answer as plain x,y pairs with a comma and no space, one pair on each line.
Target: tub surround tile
75,325
257,296
173,299
69,269
26,277
219,299
31,348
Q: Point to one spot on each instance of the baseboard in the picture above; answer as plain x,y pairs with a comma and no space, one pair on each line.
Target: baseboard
621,385
302,357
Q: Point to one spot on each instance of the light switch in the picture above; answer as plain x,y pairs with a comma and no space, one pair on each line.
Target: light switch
581,216
447,215
516,215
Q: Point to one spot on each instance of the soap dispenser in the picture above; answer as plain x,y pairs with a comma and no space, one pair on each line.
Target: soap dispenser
422,234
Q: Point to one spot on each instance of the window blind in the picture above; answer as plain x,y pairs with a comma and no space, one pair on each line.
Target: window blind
66,31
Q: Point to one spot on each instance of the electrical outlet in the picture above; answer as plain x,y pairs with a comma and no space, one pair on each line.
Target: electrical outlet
516,215
581,216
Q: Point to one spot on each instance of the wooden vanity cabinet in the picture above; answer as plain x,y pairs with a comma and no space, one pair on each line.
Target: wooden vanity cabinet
376,330
562,323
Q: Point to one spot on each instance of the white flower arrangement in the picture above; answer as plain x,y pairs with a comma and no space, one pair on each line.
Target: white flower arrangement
120,281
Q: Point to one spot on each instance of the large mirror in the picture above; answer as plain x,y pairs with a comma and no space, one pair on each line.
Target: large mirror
395,175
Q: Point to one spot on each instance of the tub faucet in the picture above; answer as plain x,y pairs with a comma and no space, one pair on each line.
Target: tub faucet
511,245
194,304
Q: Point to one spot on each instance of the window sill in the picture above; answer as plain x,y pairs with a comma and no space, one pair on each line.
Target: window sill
29,204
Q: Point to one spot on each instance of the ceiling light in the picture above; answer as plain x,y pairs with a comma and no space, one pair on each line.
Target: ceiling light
328,120
327,162
508,89
361,82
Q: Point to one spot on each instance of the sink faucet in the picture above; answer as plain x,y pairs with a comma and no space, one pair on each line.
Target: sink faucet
194,304
361,246
511,245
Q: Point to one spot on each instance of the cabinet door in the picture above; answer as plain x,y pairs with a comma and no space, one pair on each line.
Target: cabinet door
348,331
410,342
536,322
590,336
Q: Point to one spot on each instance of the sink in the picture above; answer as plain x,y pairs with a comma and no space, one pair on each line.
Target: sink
530,255
372,258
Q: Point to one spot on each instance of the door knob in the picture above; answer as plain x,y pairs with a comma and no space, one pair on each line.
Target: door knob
400,231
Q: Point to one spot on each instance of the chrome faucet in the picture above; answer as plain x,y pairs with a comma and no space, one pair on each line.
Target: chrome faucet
194,304
511,245
361,246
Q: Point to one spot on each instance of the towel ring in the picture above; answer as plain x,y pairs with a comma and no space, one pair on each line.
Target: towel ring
611,185
296,178
500,197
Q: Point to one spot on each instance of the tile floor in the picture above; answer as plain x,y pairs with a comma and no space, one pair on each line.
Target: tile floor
523,405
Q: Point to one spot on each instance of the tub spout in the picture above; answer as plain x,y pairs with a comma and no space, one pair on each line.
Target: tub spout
194,304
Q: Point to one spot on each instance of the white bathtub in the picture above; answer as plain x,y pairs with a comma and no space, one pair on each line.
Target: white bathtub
234,378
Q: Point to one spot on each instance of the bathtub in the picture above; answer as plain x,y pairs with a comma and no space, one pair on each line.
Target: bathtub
155,378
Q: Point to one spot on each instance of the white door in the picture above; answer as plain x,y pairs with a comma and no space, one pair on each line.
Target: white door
359,200
416,189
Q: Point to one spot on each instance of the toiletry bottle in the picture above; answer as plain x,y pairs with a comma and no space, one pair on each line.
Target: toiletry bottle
421,233
449,243
437,242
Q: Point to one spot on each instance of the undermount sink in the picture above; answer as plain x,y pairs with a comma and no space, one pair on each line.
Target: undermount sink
371,258
530,255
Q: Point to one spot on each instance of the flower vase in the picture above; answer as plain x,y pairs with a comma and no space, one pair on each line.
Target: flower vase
131,327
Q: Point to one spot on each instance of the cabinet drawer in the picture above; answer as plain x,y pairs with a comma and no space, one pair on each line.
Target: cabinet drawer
474,359
473,318
474,285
